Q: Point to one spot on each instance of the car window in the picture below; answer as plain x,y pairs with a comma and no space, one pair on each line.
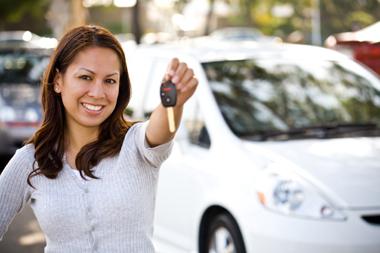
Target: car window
195,124
22,67
270,94
152,98
138,69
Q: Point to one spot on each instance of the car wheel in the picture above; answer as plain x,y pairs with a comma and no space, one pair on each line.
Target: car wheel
224,236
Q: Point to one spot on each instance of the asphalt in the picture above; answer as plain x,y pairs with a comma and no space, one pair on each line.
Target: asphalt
24,235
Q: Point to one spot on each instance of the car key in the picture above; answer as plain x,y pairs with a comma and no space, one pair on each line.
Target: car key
168,93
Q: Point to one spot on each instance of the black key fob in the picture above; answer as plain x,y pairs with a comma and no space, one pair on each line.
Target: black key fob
168,94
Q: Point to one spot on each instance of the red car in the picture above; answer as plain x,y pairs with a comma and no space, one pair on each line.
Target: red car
362,45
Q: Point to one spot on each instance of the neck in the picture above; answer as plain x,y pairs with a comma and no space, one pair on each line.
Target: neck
78,137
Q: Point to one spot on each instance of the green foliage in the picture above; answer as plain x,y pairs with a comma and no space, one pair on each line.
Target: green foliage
24,14
14,10
336,16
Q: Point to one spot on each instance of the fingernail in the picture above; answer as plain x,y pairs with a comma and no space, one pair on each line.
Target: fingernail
175,79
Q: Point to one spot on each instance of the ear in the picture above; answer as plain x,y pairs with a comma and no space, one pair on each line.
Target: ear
58,82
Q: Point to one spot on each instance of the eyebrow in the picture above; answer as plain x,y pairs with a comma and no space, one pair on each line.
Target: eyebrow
92,72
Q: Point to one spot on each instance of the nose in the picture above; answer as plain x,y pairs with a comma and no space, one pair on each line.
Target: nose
96,89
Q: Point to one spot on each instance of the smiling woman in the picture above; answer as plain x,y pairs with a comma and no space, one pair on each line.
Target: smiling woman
109,207
71,81
89,89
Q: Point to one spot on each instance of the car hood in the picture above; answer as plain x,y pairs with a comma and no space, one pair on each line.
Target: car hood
349,167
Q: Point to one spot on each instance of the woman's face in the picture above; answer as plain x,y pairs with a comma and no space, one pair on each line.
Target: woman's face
90,86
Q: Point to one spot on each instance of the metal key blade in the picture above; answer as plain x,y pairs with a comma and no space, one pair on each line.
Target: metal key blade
171,122
168,95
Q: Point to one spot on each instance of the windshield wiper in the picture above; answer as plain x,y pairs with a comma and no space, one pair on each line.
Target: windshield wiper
343,129
318,131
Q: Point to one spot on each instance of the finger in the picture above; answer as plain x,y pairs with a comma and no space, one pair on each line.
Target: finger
171,69
192,84
182,67
185,78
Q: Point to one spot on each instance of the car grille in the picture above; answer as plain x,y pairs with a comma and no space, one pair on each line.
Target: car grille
372,219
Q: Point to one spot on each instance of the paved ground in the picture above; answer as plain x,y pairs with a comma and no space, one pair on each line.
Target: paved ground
24,235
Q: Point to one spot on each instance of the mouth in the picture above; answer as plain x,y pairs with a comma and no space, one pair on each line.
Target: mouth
93,108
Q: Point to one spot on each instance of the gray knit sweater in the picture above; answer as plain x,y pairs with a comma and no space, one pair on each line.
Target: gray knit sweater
111,214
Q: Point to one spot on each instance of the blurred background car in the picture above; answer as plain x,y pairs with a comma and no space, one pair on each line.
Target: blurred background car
25,39
17,36
23,59
242,34
278,150
362,45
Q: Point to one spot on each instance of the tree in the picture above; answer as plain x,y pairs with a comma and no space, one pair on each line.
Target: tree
136,24
64,15
24,15
209,17
336,16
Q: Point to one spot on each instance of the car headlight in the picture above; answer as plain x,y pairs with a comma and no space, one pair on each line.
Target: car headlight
31,115
7,114
289,194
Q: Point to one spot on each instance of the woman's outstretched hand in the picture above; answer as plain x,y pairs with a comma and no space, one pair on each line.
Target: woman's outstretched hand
183,78
158,128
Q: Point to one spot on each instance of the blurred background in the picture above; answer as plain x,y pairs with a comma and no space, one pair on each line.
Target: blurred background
307,21
336,24
351,27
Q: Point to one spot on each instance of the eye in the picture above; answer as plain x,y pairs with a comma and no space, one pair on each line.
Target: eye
85,77
110,81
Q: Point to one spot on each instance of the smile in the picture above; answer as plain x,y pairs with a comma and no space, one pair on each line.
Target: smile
94,108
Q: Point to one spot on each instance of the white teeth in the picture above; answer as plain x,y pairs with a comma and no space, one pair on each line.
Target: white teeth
92,107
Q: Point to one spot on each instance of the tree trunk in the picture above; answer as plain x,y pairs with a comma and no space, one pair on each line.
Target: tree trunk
209,17
64,15
136,25
78,16
247,12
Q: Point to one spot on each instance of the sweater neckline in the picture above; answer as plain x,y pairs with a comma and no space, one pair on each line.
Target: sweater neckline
98,171
78,180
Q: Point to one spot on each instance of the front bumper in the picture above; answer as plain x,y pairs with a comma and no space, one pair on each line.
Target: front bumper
274,233
13,138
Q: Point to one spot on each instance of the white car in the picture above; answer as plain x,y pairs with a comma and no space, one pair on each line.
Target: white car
278,150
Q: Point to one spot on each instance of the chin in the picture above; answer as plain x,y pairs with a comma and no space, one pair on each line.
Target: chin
91,123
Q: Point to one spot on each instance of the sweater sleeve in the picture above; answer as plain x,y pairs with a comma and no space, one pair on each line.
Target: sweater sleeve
14,189
154,156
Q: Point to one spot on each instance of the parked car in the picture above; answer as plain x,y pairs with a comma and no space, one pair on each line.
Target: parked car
242,34
25,39
278,150
21,68
362,45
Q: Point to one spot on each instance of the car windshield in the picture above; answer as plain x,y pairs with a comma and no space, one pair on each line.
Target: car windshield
23,67
271,98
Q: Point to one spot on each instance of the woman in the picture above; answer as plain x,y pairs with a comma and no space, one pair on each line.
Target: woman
89,175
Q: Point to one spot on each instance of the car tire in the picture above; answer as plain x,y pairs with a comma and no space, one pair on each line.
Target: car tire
224,236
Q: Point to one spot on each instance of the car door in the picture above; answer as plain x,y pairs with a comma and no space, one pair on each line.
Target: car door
182,180
183,186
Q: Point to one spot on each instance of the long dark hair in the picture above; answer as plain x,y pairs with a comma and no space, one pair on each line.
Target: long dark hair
48,140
